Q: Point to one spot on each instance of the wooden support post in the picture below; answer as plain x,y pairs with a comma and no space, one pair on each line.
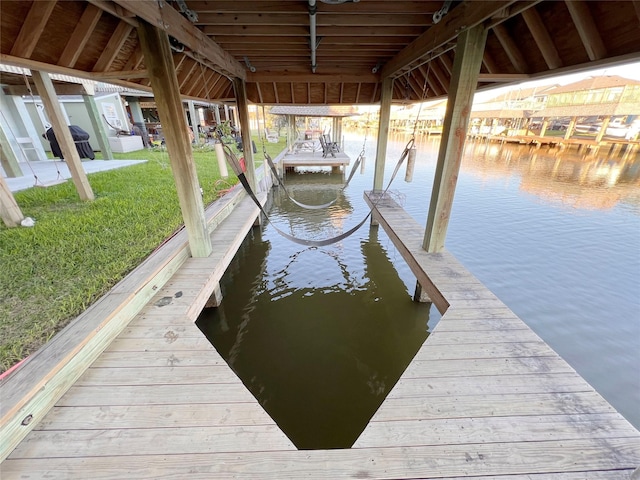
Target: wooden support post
8,158
386,95
159,63
570,128
243,116
63,135
194,120
98,126
216,297
543,128
9,209
466,67
603,130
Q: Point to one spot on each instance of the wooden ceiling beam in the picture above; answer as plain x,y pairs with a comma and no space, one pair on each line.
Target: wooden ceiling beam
358,93
135,60
489,63
111,50
264,6
186,73
503,77
375,91
259,93
80,36
58,69
511,48
435,87
440,74
185,32
60,89
447,63
275,92
586,26
32,28
462,17
108,76
636,6
542,38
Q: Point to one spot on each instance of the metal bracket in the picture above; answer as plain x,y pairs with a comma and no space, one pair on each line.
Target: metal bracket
442,12
251,68
190,14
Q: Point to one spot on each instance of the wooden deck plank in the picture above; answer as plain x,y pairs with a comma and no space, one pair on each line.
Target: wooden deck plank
439,461
156,375
155,416
499,350
447,406
152,345
183,358
458,431
444,337
151,441
156,395
487,366
159,331
489,384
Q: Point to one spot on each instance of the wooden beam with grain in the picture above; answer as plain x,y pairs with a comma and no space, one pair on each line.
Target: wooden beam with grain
587,29
542,38
53,107
464,16
80,36
240,90
173,23
113,47
466,68
386,97
32,28
9,210
511,48
159,63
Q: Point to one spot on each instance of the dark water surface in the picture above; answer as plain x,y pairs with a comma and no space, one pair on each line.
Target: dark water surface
320,335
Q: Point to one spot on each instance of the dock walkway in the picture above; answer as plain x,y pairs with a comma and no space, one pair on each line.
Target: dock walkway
483,398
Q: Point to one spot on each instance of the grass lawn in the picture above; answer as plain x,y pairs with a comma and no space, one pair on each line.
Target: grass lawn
78,250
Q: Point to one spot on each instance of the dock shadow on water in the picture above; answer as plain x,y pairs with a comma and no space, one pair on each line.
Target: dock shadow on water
318,335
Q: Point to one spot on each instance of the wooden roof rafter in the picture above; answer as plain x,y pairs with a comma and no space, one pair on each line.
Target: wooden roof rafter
32,28
587,29
80,36
542,38
511,48
111,50
169,19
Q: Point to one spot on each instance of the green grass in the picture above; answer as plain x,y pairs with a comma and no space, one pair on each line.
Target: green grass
78,250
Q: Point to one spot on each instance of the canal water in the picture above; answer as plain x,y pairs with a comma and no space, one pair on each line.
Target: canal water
321,335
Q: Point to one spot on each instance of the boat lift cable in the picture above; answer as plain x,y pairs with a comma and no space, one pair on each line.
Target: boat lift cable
235,164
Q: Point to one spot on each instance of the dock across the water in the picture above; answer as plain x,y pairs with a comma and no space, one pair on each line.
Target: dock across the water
313,159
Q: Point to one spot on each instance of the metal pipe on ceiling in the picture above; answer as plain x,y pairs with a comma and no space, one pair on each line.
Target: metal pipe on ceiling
312,29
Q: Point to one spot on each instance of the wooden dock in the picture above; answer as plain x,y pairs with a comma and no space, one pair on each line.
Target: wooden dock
314,159
483,398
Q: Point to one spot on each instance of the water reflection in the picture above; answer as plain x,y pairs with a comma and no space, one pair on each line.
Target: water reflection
570,178
319,342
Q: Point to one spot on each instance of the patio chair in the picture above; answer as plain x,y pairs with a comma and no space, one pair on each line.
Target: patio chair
328,147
